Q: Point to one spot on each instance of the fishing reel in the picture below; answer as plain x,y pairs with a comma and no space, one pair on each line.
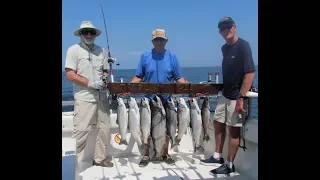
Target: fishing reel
104,79
111,60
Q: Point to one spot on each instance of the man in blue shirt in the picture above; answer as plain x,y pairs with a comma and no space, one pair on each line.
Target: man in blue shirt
158,65
238,73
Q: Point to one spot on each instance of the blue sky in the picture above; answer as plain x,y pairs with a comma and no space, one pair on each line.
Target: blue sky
191,27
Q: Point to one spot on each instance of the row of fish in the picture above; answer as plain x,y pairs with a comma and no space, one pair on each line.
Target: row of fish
155,119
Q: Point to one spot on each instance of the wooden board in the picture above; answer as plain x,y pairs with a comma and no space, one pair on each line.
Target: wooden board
164,88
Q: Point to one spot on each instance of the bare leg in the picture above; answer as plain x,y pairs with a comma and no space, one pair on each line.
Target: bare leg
145,159
166,157
234,141
146,149
166,146
220,135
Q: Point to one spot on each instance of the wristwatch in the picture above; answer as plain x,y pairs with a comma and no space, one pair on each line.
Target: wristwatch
240,96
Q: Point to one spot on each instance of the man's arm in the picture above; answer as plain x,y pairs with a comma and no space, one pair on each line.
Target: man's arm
71,68
177,75
139,72
182,80
136,79
249,70
246,83
75,78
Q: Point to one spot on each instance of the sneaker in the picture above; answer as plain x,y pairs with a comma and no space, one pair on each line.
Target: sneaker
211,161
157,159
144,161
167,159
104,163
223,169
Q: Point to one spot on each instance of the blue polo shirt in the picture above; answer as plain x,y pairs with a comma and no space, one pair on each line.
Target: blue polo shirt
158,68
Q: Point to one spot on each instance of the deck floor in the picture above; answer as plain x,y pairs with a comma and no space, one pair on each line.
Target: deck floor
187,167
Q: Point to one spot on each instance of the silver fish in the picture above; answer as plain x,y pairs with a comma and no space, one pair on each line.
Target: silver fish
145,120
183,120
158,126
134,120
205,114
196,123
122,119
172,122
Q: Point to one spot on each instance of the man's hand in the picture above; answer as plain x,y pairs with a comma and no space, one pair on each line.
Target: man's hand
135,79
239,106
96,84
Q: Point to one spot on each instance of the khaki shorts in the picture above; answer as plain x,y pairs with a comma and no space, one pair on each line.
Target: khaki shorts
226,113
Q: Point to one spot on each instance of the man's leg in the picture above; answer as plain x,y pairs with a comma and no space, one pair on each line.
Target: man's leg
234,123
166,157
145,159
103,137
219,120
84,112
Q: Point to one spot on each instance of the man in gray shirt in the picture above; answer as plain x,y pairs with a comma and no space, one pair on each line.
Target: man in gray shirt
85,64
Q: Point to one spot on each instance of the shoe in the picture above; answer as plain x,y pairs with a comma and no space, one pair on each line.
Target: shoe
223,169
156,159
104,163
167,159
211,161
144,161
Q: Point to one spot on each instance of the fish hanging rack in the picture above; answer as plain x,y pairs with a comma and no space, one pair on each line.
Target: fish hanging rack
164,88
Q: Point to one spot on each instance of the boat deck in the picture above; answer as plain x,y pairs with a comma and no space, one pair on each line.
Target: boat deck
187,167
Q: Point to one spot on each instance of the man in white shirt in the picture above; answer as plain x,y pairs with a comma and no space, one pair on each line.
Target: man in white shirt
85,64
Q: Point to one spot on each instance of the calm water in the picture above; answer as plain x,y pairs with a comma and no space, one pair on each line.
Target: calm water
195,74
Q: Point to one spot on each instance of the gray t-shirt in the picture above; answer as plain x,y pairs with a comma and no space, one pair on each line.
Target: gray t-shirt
88,64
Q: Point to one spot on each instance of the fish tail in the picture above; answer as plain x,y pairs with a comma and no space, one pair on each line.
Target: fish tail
199,148
173,145
144,145
206,137
177,140
123,142
171,141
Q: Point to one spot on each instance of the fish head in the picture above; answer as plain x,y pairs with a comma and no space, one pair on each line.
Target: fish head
131,102
182,103
144,102
205,102
193,102
120,101
153,103
171,103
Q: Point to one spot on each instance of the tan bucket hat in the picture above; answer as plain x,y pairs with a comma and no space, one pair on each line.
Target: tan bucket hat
87,25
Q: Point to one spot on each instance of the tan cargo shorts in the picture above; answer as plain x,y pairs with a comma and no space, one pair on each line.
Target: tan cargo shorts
226,113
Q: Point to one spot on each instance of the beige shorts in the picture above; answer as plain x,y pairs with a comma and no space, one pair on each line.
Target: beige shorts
226,113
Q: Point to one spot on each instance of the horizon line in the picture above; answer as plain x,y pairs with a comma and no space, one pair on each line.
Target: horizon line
181,67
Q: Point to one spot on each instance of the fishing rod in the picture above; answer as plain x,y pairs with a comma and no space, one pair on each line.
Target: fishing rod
110,59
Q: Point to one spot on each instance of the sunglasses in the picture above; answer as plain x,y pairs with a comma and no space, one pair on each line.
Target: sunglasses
159,39
87,31
224,27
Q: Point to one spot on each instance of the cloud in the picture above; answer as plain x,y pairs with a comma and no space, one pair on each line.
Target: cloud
135,52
